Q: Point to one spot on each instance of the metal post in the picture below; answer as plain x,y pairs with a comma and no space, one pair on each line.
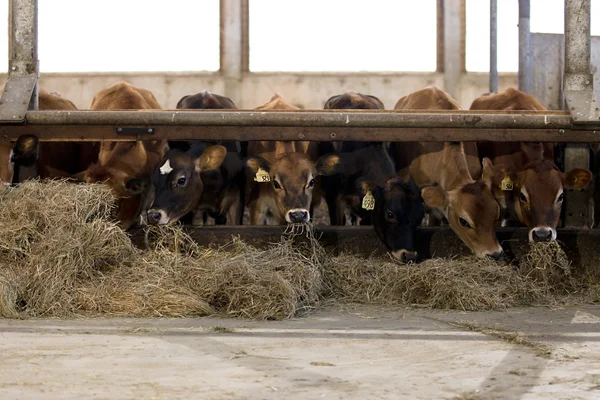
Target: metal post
493,46
233,47
524,47
20,91
452,43
578,80
578,87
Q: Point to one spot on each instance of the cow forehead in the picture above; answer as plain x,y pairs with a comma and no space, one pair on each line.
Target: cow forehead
477,201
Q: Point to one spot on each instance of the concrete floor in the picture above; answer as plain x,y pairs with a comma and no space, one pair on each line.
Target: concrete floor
339,353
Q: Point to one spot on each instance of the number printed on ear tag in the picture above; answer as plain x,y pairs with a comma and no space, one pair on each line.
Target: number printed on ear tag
262,176
506,184
368,202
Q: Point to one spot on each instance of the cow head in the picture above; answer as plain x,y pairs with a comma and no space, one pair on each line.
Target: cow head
288,182
398,211
353,100
178,185
205,100
24,152
537,194
471,211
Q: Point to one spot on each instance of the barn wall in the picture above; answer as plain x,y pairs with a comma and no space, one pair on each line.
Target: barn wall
309,90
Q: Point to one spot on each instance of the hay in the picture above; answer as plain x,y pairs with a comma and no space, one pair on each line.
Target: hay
61,255
467,283
547,264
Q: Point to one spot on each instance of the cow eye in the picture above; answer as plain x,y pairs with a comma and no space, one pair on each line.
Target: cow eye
276,184
522,197
311,183
389,215
560,198
463,222
181,181
12,158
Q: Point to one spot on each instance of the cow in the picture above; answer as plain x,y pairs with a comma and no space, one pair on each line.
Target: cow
336,185
23,153
180,185
449,179
205,100
63,159
527,183
185,184
281,177
372,192
126,167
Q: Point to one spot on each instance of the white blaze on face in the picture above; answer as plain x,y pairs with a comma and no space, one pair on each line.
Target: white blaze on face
166,168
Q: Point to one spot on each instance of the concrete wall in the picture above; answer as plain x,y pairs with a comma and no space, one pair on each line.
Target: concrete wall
307,90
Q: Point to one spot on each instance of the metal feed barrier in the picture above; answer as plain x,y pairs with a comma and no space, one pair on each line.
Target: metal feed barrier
578,126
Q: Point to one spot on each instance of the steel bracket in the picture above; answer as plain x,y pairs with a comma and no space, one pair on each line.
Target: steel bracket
16,97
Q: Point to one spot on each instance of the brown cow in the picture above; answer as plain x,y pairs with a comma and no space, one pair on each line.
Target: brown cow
528,184
65,158
465,201
121,163
285,176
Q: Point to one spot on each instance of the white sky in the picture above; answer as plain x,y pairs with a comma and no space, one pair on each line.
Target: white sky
285,35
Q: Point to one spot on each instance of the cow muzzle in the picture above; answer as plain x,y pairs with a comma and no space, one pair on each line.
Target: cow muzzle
405,255
297,216
542,234
157,217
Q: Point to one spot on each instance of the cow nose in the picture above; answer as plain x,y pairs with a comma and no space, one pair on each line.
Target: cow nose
405,255
298,216
541,234
498,256
153,216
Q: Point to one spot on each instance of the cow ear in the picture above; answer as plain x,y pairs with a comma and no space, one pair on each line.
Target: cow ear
329,164
212,157
577,178
435,197
136,186
25,149
254,163
366,186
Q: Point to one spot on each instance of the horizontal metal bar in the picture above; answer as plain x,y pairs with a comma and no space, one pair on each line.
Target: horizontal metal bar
248,118
61,133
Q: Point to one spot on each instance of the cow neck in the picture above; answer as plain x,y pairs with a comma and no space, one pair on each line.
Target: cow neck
455,171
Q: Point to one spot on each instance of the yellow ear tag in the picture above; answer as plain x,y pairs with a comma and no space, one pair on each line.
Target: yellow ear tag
506,184
368,202
262,176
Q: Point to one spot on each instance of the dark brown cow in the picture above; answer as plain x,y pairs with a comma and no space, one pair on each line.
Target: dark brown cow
57,160
121,165
527,182
281,177
465,201
13,156
337,190
209,190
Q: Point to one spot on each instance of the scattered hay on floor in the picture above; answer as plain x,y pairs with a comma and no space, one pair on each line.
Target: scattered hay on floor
61,255
467,283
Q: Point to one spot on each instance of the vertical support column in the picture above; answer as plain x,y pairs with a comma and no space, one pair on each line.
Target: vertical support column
493,46
524,47
234,45
453,44
578,93
23,39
